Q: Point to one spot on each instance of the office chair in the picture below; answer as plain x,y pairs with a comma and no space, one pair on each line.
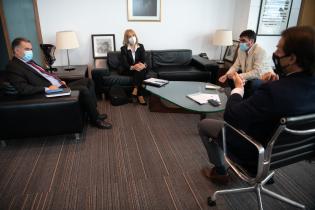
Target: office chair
49,50
293,141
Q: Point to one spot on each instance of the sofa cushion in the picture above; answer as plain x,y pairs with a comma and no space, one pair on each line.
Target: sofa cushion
171,57
114,61
182,73
115,78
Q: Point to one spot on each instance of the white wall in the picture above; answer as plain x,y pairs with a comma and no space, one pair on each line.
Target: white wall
241,16
270,42
246,17
185,24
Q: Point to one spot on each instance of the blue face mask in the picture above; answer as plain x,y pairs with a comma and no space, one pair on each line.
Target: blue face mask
28,55
243,46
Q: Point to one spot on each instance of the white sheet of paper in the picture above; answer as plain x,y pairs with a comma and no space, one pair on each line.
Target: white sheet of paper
202,98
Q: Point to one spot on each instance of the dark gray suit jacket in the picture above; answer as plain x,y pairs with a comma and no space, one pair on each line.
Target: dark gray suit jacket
259,115
25,79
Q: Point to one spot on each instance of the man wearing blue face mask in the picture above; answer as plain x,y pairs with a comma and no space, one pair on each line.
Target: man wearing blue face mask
251,61
29,78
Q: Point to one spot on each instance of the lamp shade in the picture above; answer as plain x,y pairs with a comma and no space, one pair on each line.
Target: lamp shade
66,40
222,38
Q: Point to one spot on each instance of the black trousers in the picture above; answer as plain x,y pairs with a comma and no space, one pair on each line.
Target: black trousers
138,77
87,96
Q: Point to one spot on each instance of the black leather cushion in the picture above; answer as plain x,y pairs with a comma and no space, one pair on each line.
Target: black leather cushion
171,57
8,89
182,73
39,116
115,78
114,61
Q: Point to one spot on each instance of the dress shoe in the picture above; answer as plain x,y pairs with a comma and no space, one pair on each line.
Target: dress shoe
213,176
102,124
102,116
141,100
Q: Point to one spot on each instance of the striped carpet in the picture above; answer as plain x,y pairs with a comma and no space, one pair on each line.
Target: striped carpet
147,161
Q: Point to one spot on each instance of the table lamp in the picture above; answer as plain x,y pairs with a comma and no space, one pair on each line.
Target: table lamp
66,40
222,38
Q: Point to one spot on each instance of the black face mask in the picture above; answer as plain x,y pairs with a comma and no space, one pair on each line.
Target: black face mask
278,68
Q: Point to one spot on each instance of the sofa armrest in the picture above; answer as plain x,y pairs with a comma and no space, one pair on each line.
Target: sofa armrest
40,116
207,65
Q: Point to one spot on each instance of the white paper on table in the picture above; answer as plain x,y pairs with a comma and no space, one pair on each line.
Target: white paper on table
202,98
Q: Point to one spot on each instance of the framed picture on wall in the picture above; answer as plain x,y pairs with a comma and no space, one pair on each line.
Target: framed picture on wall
102,44
231,52
273,17
144,10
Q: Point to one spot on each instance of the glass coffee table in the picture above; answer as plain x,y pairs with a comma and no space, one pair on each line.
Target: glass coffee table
176,92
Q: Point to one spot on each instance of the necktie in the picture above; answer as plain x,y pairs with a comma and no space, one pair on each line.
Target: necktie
32,63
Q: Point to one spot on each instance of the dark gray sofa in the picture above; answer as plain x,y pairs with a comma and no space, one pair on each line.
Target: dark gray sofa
173,65
36,115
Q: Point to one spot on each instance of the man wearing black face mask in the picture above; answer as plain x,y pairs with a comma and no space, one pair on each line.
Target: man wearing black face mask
258,116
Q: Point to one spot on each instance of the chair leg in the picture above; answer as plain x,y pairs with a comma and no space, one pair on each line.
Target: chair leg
267,178
212,199
281,198
258,193
77,136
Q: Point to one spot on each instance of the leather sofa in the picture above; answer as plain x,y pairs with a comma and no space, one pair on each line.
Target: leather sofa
37,115
174,65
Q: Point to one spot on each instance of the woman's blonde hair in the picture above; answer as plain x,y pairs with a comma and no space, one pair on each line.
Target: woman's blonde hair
129,33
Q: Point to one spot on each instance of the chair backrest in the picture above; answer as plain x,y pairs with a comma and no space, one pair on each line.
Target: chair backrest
293,141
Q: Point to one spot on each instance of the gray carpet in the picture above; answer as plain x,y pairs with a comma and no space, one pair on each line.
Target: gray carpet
147,161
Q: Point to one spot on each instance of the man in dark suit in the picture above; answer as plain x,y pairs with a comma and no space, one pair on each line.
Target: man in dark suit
259,115
29,78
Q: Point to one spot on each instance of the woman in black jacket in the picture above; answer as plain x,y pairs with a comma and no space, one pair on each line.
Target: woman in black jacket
133,59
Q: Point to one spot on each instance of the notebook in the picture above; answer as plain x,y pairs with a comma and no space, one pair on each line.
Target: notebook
62,92
202,98
155,82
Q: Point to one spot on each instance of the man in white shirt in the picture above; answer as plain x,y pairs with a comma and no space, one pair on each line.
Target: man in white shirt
251,62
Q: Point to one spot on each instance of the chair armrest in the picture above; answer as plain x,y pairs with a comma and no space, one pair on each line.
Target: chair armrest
206,65
298,119
260,150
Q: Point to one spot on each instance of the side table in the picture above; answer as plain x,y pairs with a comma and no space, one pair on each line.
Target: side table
79,72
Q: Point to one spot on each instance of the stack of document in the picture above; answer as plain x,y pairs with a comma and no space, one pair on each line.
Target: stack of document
58,92
155,82
202,98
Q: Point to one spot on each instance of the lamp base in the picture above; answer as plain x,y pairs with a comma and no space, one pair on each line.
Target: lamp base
69,68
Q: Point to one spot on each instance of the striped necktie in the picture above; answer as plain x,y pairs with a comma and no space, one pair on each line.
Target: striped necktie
39,68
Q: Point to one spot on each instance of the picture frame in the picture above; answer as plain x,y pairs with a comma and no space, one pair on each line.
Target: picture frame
231,52
144,10
102,44
273,17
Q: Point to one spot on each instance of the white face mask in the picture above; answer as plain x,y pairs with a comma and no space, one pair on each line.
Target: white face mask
132,40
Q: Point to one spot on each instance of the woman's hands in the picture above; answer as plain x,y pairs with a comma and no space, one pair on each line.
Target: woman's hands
138,66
